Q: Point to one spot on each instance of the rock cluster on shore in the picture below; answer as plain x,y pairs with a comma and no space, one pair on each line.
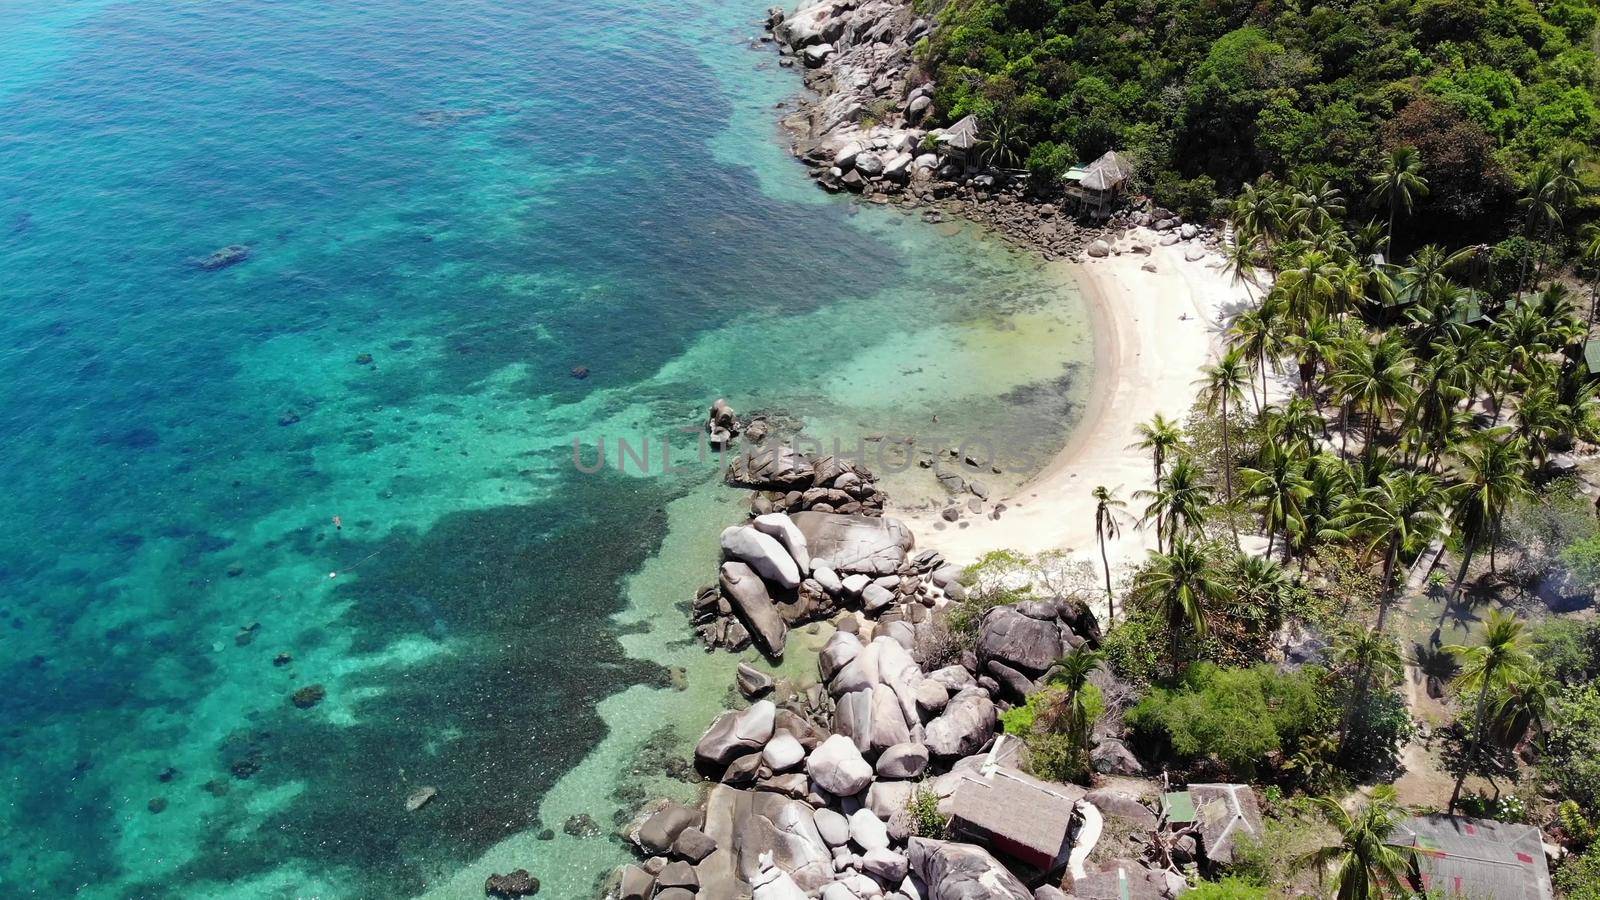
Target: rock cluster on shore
866,130
813,788
816,543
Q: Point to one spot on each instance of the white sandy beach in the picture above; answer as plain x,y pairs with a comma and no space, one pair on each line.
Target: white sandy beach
1153,331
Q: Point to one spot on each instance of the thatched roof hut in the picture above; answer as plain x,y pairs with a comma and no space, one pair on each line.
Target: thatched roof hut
1107,173
961,137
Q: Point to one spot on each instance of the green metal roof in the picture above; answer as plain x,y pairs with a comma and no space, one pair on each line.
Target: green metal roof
1179,806
1591,356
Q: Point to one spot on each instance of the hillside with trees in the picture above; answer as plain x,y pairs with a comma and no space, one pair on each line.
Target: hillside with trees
1207,95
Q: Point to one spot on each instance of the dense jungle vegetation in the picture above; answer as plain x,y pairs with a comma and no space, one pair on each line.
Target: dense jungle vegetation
1205,95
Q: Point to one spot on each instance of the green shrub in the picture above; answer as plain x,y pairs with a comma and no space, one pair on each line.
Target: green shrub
1052,755
1192,198
1578,878
1571,763
1134,649
1237,715
1048,161
1567,650
1230,888
923,809
1582,557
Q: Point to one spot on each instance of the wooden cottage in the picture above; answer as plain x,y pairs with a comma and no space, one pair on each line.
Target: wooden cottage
1097,185
1016,816
959,142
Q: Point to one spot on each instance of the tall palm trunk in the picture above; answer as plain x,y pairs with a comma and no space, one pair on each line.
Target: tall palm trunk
1461,576
1227,469
1262,364
1477,740
1364,678
1111,600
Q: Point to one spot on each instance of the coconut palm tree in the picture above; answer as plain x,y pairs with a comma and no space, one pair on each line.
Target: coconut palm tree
1239,261
1279,488
1312,348
1539,418
1501,659
1160,436
1067,711
1316,205
1364,655
1397,516
1309,284
1106,526
1522,707
1331,487
1541,210
1253,333
1178,585
1374,378
1440,388
1491,473
1591,258
1221,384
1258,212
1179,503
1366,651
1398,183
1366,864
1294,427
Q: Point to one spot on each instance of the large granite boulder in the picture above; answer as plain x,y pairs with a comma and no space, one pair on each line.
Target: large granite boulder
838,652
761,552
860,673
849,544
1117,805
736,733
775,468
768,823
907,760
1112,757
888,724
659,830
852,718
783,529
965,727
838,767
816,23
748,596
962,872
1022,642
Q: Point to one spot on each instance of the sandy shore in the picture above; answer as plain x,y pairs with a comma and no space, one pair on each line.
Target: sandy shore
1153,333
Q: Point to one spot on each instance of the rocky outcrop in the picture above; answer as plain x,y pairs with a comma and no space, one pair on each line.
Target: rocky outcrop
962,872
752,604
853,544
761,552
736,734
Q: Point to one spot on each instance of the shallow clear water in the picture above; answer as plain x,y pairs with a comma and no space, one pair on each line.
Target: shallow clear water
448,206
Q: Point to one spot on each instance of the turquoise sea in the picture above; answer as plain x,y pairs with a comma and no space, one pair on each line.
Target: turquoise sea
344,465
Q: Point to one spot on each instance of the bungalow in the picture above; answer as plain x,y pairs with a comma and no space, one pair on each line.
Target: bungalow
1461,857
959,140
1099,183
1221,813
1016,816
